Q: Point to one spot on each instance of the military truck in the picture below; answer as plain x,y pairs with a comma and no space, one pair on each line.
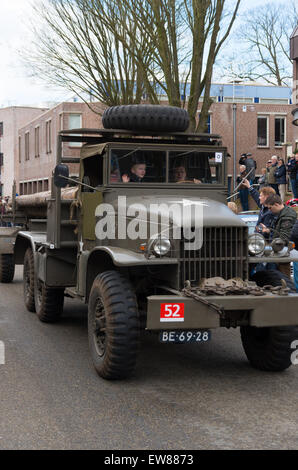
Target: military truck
92,242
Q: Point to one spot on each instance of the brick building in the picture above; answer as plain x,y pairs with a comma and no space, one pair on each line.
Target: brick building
263,127
11,119
263,121
37,144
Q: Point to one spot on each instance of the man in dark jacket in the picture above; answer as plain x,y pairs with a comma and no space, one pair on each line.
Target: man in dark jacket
294,238
271,174
286,218
292,168
281,178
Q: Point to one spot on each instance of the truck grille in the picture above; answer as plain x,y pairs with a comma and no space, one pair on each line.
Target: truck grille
224,254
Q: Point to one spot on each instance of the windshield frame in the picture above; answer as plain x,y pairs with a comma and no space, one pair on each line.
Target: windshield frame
167,148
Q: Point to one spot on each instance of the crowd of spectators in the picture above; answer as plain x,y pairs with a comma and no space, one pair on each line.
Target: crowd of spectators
277,174
5,208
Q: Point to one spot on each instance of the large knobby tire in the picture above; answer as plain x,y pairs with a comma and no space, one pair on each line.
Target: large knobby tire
269,349
113,326
28,280
48,302
145,117
7,267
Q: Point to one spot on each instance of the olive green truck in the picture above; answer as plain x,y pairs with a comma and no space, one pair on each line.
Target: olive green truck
145,238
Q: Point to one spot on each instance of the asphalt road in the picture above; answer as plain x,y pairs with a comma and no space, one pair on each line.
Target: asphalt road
186,397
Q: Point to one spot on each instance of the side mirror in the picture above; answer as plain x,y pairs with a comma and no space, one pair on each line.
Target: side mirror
61,175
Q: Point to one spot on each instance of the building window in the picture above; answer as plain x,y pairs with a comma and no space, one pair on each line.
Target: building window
20,149
49,136
237,99
36,141
279,131
74,122
263,130
274,101
1,129
46,185
27,142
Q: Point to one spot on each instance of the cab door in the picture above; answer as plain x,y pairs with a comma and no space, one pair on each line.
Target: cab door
92,174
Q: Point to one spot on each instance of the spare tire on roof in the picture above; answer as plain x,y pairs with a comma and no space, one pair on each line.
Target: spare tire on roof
146,117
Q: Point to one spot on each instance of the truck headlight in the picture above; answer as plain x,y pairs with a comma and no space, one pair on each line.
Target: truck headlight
256,244
160,246
278,245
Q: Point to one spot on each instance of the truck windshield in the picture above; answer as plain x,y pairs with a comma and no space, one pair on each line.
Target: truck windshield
150,166
195,167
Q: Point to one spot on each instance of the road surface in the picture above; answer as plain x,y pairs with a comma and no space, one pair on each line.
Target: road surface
186,397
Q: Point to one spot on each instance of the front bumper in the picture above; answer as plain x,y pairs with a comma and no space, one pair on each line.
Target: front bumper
263,311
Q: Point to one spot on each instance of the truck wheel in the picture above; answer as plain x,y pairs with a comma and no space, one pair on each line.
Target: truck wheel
113,326
6,268
48,302
269,349
28,280
146,117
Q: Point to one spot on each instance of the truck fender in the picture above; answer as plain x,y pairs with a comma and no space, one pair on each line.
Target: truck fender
7,239
23,241
104,258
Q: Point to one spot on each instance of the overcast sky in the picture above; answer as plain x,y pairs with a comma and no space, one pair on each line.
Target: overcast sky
16,87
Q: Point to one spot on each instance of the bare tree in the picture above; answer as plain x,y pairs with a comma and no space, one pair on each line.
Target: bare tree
121,50
74,50
186,36
265,33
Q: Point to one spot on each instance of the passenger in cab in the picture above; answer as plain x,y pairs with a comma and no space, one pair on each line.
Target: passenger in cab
137,171
180,176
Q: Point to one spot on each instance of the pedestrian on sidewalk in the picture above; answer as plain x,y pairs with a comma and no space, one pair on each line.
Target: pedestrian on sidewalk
243,191
281,178
250,165
292,168
271,175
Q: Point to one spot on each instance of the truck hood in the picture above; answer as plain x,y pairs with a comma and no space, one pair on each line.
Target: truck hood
185,210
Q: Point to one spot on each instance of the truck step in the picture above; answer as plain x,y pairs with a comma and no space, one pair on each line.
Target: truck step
72,293
69,222
70,159
68,244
